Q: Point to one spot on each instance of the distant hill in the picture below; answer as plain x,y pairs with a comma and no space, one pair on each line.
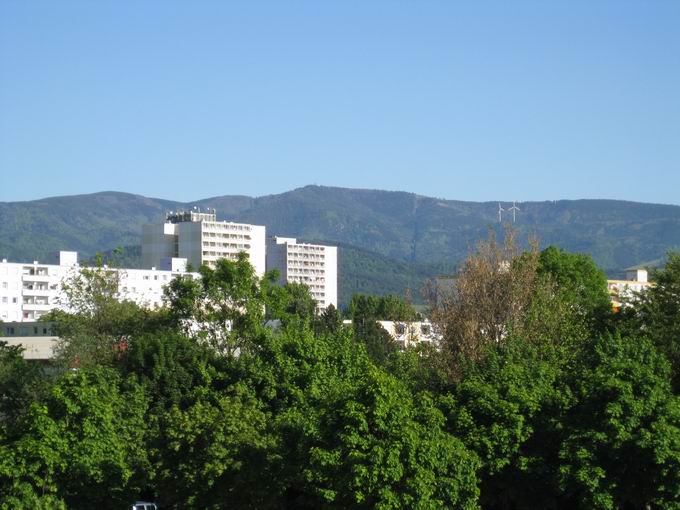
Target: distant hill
388,240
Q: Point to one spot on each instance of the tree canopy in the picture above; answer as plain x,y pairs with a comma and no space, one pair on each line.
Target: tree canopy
534,399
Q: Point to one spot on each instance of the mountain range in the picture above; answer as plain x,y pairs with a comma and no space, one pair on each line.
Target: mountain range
389,241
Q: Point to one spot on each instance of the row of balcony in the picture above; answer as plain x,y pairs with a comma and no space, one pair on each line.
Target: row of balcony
37,292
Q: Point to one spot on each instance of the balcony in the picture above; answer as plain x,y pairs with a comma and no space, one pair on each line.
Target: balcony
37,307
37,292
35,277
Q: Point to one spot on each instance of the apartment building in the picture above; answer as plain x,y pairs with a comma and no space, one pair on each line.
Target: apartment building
314,265
409,334
30,290
636,281
37,339
199,238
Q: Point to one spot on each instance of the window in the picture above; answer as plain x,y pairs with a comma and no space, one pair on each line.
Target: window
4,299
4,285
14,300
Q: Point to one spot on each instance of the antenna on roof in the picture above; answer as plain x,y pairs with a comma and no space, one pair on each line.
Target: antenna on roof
514,209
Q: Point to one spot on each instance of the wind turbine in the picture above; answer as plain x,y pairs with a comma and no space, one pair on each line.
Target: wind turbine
500,213
514,210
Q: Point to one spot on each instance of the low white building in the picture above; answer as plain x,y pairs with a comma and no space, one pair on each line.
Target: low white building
409,333
313,265
30,290
201,239
624,290
36,338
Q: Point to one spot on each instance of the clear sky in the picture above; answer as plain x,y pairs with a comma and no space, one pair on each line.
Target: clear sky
475,100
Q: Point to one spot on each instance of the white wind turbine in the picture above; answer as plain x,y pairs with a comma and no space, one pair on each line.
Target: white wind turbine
500,213
514,210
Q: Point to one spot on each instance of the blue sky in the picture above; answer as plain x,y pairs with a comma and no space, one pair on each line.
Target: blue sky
470,100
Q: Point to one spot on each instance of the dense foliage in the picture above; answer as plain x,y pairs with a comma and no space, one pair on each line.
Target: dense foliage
238,395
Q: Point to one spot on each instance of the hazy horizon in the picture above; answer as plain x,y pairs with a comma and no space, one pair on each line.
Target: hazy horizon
454,199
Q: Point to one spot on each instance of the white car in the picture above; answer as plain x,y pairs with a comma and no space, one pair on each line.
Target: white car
144,505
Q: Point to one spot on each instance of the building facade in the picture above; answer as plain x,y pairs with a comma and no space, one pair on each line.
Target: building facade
408,334
314,265
411,334
37,339
200,239
622,291
30,290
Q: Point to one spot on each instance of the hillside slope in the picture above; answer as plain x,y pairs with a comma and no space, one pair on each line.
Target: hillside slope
390,240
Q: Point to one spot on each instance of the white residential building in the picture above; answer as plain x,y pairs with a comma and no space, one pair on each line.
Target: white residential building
409,334
625,290
36,338
314,265
30,290
201,239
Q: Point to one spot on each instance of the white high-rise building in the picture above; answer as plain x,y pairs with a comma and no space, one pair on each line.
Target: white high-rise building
30,290
201,239
314,265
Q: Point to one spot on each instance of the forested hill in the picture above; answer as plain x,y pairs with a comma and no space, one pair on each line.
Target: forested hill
407,232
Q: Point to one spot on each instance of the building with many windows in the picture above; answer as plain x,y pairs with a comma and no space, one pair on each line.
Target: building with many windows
30,290
314,265
201,239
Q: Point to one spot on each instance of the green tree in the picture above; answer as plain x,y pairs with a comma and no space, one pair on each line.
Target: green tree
83,444
506,407
224,309
385,308
581,282
96,322
382,447
621,444
21,383
328,322
377,341
25,497
289,301
656,312
211,454
171,368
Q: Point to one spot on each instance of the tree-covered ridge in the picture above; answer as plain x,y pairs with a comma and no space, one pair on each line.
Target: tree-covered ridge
400,226
537,398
